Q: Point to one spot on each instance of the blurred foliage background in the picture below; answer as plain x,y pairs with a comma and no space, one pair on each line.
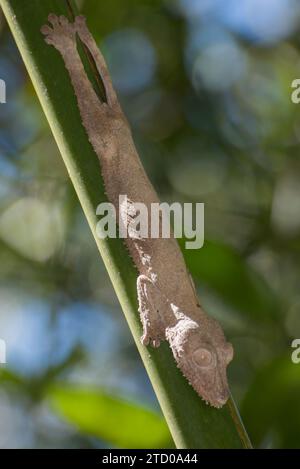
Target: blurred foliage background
206,85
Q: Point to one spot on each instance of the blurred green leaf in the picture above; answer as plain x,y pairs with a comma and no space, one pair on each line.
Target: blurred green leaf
111,418
224,270
271,408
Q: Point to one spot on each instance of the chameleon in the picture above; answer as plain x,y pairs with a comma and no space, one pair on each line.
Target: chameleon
167,302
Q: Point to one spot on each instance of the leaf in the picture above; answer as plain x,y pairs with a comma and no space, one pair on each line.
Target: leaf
272,405
224,270
114,419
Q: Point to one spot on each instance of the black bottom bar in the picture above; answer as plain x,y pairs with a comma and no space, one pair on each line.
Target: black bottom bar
138,458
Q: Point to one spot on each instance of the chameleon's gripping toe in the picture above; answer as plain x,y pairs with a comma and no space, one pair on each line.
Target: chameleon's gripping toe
81,28
60,34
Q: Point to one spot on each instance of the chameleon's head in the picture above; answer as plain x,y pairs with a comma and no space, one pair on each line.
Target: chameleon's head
202,354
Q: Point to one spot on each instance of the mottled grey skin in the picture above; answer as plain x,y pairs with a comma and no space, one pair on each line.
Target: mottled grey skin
168,305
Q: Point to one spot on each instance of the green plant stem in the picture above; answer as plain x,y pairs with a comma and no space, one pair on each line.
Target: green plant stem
192,423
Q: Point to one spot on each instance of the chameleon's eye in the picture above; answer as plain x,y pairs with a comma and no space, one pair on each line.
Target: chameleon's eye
203,357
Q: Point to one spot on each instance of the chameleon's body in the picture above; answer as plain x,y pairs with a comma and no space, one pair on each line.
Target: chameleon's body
168,305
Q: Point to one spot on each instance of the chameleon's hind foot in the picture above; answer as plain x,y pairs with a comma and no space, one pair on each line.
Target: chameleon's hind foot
61,34
82,29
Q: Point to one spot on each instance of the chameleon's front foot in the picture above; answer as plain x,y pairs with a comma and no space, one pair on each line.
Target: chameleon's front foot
149,339
149,309
61,35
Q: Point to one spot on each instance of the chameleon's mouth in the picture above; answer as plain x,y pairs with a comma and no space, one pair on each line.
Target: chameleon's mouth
220,401
216,398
